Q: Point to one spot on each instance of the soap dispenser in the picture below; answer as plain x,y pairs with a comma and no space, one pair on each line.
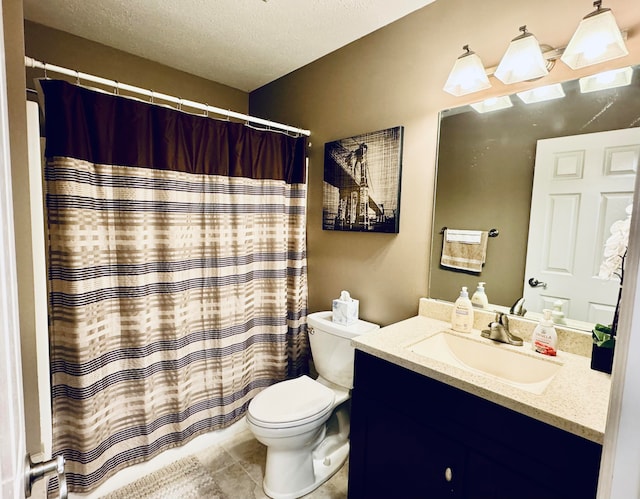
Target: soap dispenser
545,339
557,315
479,298
462,314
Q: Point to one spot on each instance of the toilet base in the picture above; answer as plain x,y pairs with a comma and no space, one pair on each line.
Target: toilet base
325,465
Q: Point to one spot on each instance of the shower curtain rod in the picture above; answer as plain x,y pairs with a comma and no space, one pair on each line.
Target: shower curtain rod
33,63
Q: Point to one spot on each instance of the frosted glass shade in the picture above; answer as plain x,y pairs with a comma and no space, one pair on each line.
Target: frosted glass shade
540,94
467,76
596,40
522,61
609,79
492,104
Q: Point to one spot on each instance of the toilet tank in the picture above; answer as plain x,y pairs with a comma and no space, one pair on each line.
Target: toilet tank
331,346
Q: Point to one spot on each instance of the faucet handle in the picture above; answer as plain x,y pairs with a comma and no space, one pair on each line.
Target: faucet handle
501,318
504,320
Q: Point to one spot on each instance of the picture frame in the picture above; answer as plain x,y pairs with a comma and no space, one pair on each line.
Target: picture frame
361,189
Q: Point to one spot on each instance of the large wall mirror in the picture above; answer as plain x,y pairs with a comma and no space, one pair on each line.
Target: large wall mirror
485,179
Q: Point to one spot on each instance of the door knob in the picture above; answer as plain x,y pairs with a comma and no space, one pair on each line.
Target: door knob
35,471
534,283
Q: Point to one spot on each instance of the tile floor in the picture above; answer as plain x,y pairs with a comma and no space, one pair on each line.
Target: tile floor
237,465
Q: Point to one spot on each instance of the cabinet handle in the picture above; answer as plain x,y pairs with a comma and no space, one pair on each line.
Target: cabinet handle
448,474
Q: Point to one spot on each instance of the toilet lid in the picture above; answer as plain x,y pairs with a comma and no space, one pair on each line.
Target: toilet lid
291,400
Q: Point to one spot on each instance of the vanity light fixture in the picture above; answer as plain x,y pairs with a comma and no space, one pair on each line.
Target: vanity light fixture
609,79
492,104
597,39
467,75
540,94
523,60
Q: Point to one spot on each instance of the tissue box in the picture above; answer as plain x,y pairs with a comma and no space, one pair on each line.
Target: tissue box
345,312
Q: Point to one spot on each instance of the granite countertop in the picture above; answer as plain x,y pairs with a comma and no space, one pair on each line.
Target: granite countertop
576,400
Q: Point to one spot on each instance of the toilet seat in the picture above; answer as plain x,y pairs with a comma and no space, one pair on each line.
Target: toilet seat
291,403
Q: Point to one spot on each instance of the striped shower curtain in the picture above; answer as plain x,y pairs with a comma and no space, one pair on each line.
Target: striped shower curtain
177,271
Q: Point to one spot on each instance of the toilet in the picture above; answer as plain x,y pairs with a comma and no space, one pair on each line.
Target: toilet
305,422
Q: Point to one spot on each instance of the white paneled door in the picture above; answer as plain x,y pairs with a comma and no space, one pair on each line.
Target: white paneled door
582,184
12,429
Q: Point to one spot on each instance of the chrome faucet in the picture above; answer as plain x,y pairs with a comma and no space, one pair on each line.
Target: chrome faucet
518,307
499,331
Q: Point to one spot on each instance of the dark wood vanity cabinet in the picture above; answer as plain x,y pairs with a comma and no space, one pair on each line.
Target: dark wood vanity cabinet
415,437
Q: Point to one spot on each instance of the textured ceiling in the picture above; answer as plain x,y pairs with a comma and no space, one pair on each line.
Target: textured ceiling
241,43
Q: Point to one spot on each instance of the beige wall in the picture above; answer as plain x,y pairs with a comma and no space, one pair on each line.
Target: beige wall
395,77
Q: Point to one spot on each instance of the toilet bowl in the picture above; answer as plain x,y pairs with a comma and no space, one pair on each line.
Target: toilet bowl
305,422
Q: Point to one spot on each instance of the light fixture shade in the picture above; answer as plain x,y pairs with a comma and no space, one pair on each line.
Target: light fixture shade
541,94
492,104
609,79
467,75
596,40
522,61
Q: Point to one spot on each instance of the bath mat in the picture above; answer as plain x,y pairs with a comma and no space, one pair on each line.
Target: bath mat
184,479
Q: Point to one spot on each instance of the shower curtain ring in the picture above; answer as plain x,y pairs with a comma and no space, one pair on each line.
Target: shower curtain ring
206,109
44,66
151,96
117,87
77,77
179,103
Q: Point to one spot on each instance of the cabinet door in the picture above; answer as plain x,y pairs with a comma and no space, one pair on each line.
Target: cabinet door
406,460
408,429
487,478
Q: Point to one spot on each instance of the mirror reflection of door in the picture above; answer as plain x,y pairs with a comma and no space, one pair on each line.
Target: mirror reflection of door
582,184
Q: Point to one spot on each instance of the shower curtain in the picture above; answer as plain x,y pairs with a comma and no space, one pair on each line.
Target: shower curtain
177,272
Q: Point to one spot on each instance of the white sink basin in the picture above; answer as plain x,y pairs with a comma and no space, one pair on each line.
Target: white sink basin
508,365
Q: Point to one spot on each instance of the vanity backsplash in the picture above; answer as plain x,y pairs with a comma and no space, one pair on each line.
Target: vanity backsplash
569,340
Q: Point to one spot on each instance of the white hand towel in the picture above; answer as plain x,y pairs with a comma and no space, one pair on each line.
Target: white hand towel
463,236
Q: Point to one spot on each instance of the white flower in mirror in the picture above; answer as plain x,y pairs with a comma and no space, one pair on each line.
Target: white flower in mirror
615,249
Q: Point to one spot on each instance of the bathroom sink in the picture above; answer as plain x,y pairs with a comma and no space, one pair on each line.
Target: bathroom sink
506,364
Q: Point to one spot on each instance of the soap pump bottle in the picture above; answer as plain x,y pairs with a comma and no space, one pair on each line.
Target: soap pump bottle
557,315
545,339
462,314
479,298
